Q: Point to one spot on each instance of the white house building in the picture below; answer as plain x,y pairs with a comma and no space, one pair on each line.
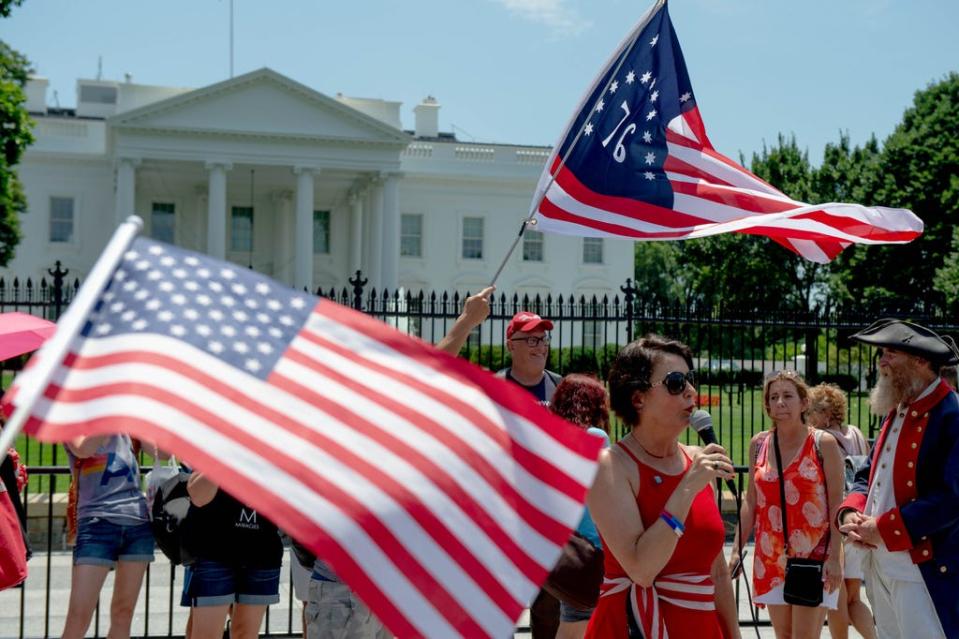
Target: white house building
268,173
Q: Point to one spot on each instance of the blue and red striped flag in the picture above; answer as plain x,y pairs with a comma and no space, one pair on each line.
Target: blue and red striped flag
440,494
638,165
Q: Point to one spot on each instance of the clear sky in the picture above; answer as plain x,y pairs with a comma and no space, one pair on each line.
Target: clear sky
514,70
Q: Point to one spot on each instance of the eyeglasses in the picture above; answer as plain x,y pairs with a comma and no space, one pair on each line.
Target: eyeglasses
675,382
532,342
782,374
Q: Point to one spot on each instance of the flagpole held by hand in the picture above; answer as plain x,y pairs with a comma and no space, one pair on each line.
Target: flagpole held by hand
68,327
627,46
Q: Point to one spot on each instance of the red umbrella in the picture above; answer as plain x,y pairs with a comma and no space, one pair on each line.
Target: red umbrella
22,333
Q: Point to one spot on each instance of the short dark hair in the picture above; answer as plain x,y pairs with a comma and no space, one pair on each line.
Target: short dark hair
632,368
582,400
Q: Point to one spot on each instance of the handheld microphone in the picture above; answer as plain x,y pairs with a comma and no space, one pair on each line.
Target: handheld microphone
702,423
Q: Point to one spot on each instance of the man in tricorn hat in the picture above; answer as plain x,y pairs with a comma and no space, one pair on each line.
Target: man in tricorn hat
905,504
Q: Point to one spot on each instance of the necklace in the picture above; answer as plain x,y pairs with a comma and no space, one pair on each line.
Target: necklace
653,455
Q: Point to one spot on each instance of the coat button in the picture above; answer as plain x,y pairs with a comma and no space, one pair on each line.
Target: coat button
915,414
909,483
898,532
892,517
918,429
925,553
915,445
910,464
942,569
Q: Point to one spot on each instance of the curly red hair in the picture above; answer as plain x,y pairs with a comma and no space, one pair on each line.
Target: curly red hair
582,400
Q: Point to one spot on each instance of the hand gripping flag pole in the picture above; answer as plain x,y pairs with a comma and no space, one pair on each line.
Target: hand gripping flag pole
53,351
622,52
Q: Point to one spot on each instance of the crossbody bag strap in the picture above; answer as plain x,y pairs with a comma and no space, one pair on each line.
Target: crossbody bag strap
782,491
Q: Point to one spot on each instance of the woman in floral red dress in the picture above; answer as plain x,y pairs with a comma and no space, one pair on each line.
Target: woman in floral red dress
813,485
655,509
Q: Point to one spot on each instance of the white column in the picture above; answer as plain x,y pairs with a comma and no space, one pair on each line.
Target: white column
391,233
197,235
283,236
216,209
356,233
303,229
368,231
376,234
126,188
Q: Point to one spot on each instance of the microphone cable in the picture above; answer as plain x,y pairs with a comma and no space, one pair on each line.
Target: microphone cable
742,559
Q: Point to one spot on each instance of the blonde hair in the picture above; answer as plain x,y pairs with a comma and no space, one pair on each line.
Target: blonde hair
829,400
802,388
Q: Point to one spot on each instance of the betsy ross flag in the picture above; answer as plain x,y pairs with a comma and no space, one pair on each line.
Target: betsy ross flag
638,165
440,494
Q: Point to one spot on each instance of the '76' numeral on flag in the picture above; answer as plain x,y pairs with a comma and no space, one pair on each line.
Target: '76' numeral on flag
619,151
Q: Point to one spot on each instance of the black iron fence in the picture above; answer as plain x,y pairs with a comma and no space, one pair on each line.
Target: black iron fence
734,351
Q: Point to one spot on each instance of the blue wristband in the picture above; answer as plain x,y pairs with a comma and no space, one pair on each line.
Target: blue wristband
673,523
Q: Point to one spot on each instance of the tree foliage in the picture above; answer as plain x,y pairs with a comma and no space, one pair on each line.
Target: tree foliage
15,136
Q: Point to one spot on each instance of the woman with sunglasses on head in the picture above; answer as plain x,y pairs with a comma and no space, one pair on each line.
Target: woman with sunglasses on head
811,486
654,506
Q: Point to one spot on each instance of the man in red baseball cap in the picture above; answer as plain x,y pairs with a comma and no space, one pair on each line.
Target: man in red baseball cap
527,340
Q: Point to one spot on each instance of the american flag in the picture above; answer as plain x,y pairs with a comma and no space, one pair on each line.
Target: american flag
638,165
441,495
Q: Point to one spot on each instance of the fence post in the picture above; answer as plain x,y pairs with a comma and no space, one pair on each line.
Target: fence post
629,294
358,283
57,274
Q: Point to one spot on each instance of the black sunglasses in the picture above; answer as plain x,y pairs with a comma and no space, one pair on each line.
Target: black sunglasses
675,382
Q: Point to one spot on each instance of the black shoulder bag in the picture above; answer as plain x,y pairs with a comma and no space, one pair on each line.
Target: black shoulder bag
803,585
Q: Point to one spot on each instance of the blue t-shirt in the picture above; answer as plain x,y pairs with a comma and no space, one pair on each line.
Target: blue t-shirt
586,526
108,483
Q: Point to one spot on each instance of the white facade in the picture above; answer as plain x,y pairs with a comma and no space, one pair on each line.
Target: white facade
334,183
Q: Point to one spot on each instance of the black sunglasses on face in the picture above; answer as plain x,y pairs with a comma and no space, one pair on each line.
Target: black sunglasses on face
675,382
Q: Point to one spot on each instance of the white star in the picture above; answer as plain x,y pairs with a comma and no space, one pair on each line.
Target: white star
262,288
685,97
275,332
203,330
251,303
139,325
600,105
228,330
203,300
178,330
240,316
613,86
227,274
152,305
630,77
141,295
108,296
129,256
241,347
655,39
215,286
129,316
252,365
164,316
191,285
103,329
651,115
252,331
653,96
588,129
297,302
191,314
130,286
274,305
179,273
228,301
643,79
286,320
166,260
120,275
647,137
142,265
650,158
116,307
263,318
238,288
179,299
649,176
264,348
154,275
215,346
216,314
155,250
203,272
166,287
191,261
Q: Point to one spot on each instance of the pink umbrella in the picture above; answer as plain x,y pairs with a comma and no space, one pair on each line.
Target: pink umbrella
22,333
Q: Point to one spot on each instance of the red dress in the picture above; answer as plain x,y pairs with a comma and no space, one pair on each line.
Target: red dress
681,602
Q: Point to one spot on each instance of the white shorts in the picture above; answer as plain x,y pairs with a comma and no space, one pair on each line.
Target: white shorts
301,578
775,598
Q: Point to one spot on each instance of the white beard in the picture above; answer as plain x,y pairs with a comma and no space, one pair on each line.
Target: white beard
892,390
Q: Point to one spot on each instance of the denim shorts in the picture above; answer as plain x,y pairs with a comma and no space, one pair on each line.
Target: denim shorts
569,614
211,583
101,542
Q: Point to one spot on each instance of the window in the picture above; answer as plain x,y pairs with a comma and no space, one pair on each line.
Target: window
532,246
592,250
61,219
472,238
411,235
592,333
98,94
162,221
321,232
241,228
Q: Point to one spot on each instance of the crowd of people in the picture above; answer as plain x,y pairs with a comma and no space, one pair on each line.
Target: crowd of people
827,512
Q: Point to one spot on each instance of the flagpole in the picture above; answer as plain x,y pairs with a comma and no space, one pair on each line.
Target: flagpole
53,352
528,221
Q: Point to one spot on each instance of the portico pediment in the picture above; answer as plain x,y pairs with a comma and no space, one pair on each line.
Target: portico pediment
261,103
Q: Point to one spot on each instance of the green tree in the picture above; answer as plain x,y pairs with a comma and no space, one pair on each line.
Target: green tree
15,136
917,169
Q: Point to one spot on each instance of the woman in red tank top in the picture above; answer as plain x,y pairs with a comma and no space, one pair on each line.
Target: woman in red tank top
655,509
